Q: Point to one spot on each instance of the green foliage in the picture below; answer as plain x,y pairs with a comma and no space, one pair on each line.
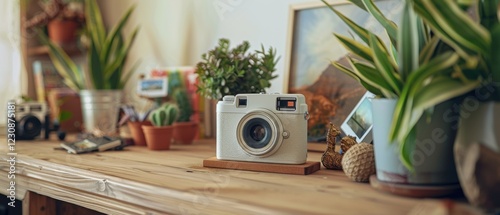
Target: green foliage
184,103
165,115
225,71
106,54
476,41
416,68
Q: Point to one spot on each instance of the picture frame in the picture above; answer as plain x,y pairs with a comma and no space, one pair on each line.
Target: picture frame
330,94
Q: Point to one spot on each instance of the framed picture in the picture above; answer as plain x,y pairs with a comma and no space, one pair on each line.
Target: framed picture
331,95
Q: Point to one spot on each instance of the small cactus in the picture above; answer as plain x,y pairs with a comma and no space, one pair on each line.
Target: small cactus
165,115
184,104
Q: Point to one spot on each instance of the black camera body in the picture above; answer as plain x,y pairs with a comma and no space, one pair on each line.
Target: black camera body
32,121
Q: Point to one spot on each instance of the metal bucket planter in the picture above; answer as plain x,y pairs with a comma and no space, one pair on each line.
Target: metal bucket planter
432,157
100,109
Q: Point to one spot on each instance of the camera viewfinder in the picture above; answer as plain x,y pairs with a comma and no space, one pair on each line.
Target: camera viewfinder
242,102
286,104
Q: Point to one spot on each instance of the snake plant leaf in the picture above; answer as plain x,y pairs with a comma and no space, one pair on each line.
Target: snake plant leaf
389,26
117,29
120,57
384,63
64,65
128,74
95,25
360,31
95,67
456,27
355,47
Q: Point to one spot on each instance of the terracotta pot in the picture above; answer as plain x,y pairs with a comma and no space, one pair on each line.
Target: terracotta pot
158,138
137,133
185,132
62,31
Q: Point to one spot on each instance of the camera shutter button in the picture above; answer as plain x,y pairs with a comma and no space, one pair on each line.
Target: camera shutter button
286,134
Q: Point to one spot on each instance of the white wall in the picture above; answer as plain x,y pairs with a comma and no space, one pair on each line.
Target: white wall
10,57
176,33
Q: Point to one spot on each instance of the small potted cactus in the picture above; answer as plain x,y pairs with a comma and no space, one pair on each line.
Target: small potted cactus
185,129
159,136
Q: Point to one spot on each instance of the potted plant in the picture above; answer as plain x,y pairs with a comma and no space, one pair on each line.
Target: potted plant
101,85
414,79
224,71
159,136
63,18
185,129
476,40
64,26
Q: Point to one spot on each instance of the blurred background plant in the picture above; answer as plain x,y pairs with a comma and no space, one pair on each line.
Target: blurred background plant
224,71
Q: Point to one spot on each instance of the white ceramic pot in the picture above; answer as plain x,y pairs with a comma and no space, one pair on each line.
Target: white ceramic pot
432,157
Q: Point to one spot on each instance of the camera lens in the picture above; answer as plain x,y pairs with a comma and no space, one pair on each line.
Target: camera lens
28,127
257,133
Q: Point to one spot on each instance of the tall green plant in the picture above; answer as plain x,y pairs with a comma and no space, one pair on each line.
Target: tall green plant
106,55
415,68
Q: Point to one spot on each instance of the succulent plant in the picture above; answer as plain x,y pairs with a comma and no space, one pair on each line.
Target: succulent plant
184,104
165,115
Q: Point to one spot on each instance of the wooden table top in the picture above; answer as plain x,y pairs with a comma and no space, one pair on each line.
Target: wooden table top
140,181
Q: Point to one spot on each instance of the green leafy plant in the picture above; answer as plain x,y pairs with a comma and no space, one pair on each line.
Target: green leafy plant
416,68
106,58
475,39
164,115
184,103
224,71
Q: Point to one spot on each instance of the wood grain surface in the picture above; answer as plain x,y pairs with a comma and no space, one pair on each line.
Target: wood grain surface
139,181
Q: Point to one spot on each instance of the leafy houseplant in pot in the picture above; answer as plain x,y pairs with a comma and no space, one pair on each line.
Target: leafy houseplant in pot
224,71
101,85
414,78
159,136
63,28
185,129
477,41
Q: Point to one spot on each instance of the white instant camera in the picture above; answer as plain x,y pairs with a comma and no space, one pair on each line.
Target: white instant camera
270,128
31,120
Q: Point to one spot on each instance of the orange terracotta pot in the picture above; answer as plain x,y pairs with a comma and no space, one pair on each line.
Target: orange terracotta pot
185,132
158,138
137,133
62,31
